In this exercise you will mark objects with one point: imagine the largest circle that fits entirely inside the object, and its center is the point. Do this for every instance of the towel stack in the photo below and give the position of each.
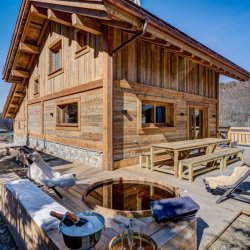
(173, 209)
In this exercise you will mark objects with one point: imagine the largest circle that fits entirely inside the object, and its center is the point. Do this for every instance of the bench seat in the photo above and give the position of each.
(147, 155)
(228, 153)
(220, 156)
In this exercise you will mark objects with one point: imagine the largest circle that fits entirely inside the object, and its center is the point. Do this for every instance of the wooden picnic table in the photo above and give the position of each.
(174, 149)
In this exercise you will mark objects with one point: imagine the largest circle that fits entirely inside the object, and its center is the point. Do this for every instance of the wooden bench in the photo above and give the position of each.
(147, 158)
(221, 156)
(190, 163)
(228, 153)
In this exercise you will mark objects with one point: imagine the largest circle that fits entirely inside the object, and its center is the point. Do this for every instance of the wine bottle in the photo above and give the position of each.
(76, 219)
(64, 218)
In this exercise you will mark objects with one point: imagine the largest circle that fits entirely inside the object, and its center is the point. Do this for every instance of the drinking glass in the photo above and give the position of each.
(141, 233)
(131, 233)
(122, 232)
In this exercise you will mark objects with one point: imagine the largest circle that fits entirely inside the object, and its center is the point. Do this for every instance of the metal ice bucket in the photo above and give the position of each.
(83, 242)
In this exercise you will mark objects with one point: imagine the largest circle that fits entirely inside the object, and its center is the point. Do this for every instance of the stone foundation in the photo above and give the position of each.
(86, 156)
(20, 140)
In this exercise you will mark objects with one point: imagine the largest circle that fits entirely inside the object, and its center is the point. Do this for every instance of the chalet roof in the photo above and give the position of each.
(34, 16)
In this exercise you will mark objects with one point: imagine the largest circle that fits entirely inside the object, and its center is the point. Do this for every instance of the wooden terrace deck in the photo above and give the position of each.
(212, 217)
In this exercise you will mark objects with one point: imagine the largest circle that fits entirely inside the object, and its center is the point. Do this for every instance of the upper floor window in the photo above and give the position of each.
(36, 87)
(82, 42)
(55, 57)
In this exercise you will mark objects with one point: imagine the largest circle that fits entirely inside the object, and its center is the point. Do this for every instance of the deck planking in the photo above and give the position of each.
(212, 218)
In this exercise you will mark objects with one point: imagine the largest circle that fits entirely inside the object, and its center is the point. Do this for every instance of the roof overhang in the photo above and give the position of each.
(91, 15)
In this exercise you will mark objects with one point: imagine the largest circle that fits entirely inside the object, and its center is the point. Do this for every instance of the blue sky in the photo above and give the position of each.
(222, 25)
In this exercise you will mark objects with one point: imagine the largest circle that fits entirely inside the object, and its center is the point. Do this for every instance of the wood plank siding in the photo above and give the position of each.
(81, 77)
(148, 64)
(144, 71)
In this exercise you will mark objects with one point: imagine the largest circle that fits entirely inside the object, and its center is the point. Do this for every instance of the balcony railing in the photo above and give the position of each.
(240, 134)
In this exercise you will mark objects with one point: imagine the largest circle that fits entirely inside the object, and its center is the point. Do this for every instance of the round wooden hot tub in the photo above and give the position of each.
(128, 197)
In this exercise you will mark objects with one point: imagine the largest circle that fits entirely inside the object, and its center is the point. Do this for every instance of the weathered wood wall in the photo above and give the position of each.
(152, 72)
(20, 119)
(91, 121)
(128, 141)
(148, 64)
(75, 71)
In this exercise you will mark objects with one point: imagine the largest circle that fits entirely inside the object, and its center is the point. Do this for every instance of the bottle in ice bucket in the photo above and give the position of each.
(76, 219)
(69, 219)
(64, 218)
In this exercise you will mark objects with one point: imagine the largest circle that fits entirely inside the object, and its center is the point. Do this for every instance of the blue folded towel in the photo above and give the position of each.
(174, 208)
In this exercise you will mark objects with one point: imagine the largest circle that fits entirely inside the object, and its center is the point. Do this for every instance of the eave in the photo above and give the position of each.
(170, 36)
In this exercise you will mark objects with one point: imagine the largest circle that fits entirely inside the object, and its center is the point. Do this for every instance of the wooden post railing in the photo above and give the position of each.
(240, 134)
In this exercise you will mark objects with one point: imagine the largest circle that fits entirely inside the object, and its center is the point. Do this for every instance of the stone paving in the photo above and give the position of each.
(6, 240)
(237, 236)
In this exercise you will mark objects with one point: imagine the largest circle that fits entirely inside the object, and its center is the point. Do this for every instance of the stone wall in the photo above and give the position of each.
(20, 140)
(86, 156)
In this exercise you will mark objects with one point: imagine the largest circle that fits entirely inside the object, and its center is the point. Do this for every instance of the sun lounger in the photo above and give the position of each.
(40, 172)
(229, 185)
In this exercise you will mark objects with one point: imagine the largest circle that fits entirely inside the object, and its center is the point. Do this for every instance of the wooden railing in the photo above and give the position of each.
(240, 134)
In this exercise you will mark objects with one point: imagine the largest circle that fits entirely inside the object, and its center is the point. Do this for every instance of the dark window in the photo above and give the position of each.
(36, 87)
(160, 115)
(56, 57)
(67, 114)
(147, 113)
(82, 41)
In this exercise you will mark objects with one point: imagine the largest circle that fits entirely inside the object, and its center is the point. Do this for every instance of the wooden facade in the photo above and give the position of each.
(108, 85)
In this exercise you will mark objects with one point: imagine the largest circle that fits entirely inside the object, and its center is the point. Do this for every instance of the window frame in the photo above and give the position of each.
(36, 93)
(68, 126)
(157, 127)
(83, 49)
(55, 71)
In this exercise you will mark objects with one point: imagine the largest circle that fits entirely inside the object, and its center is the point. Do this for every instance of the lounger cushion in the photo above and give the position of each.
(37, 203)
(224, 181)
(174, 208)
(247, 161)
(42, 173)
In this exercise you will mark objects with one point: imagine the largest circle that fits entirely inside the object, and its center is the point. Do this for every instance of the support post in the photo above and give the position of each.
(108, 100)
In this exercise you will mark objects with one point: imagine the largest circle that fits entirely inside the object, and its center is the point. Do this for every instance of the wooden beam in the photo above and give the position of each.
(20, 73)
(44, 30)
(12, 80)
(124, 16)
(19, 94)
(153, 41)
(156, 31)
(28, 48)
(13, 105)
(91, 11)
(38, 12)
(95, 5)
(118, 24)
(70, 91)
(59, 17)
(86, 24)
(108, 101)
(10, 115)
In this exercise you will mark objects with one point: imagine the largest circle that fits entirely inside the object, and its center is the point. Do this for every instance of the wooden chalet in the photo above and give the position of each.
(101, 80)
